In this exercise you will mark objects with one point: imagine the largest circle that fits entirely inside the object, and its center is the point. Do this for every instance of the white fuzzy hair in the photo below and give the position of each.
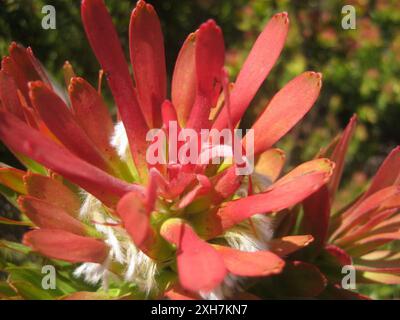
(139, 268)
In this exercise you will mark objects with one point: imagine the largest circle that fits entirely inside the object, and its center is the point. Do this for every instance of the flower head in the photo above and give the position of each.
(173, 229)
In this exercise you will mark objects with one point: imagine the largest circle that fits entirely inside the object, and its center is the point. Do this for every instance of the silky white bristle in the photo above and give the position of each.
(119, 141)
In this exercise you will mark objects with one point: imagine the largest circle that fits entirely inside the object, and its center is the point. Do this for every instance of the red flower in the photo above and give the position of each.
(157, 213)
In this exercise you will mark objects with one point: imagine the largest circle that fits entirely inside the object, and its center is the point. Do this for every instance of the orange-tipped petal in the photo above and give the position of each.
(286, 108)
(200, 266)
(250, 264)
(48, 216)
(286, 192)
(62, 245)
(19, 137)
(148, 61)
(52, 191)
(388, 262)
(183, 87)
(13, 178)
(287, 245)
(210, 57)
(270, 164)
(360, 212)
(261, 59)
(59, 119)
(107, 48)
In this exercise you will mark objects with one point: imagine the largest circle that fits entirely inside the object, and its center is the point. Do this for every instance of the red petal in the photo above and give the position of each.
(262, 57)
(24, 67)
(250, 264)
(360, 212)
(92, 114)
(338, 156)
(339, 254)
(200, 266)
(41, 149)
(183, 90)
(286, 108)
(316, 217)
(48, 216)
(58, 244)
(61, 122)
(9, 95)
(202, 188)
(107, 48)
(135, 218)
(388, 173)
(210, 56)
(148, 61)
(226, 184)
(52, 191)
(286, 192)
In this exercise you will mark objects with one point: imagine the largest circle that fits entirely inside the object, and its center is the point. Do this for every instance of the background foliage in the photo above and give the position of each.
(360, 67)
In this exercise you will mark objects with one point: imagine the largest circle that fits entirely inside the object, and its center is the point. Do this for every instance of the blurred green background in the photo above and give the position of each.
(361, 67)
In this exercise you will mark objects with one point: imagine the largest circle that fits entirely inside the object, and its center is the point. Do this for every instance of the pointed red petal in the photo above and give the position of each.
(358, 213)
(286, 192)
(91, 113)
(250, 264)
(183, 90)
(107, 48)
(58, 244)
(203, 187)
(24, 67)
(388, 173)
(256, 68)
(315, 221)
(210, 56)
(200, 266)
(168, 113)
(9, 95)
(59, 119)
(148, 61)
(338, 156)
(48, 216)
(286, 108)
(41, 149)
(135, 218)
(227, 182)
